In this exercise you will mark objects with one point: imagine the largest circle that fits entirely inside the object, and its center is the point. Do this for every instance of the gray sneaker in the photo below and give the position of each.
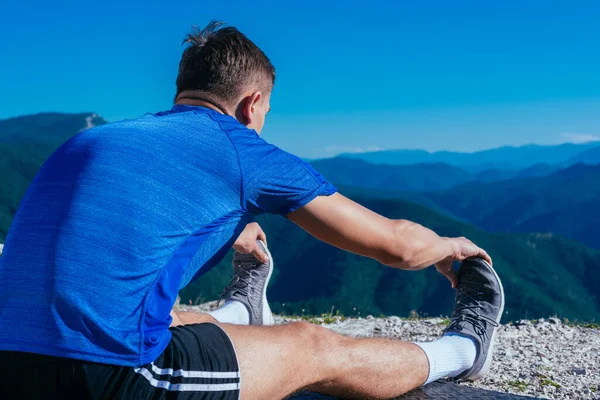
(249, 285)
(477, 311)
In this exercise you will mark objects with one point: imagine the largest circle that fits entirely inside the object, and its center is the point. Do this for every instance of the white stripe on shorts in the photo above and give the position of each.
(193, 374)
(187, 387)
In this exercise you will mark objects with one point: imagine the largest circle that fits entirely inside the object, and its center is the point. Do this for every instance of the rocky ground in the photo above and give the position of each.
(544, 358)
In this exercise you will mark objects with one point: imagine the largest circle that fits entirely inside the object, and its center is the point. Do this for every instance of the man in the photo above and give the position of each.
(124, 215)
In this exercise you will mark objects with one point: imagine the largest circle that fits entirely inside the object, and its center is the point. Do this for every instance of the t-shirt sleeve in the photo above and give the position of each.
(275, 181)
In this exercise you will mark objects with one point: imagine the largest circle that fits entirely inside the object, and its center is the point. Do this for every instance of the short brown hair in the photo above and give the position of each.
(220, 62)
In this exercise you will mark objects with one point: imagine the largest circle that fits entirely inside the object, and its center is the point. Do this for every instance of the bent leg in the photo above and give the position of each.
(279, 360)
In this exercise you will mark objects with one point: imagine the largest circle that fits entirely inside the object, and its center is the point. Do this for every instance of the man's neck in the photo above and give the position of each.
(192, 100)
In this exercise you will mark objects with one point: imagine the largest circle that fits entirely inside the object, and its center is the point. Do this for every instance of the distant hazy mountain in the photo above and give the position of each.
(420, 177)
(566, 202)
(590, 156)
(536, 170)
(25, 143)
(388, 178)
(540, 198)
(494, 174)
(542, 274)
(503, 158)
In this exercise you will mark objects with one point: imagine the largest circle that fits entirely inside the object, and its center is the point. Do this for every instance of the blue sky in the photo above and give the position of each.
(351, 76)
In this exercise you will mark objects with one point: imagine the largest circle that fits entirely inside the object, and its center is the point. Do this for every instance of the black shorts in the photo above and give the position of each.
(199, 363)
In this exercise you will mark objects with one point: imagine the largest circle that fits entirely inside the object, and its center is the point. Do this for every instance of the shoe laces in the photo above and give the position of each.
(468, 313)
(241, 283)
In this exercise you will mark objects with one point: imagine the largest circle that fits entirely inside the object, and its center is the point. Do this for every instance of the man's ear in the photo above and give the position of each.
(249, 106)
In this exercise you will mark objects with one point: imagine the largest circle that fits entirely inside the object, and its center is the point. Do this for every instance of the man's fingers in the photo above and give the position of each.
(479, 252)
(483, 254)
(259, 254)
(476, 251)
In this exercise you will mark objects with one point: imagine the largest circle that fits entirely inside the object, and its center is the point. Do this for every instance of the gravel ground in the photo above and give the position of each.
(543, 358)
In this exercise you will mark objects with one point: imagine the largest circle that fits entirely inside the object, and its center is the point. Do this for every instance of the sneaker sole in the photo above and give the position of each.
(267, 314)
(488, 361)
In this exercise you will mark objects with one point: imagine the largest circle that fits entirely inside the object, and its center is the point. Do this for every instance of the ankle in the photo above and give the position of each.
(449, 356)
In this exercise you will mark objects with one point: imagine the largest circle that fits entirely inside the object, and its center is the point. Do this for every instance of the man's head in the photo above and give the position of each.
(224, 68)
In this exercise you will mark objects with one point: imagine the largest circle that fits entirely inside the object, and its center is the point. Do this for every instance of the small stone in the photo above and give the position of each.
(545, 361)
(370, 317)
(578, 371)
(554, 321)
(568, 334)
(533, 332)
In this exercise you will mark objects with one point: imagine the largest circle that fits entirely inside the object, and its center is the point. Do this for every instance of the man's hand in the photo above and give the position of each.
(246, 242)
(461, 248)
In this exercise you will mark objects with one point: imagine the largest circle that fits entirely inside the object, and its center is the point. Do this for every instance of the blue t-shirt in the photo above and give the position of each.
(124, 215)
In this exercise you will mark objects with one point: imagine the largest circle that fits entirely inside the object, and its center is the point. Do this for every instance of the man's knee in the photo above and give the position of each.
(315, 338)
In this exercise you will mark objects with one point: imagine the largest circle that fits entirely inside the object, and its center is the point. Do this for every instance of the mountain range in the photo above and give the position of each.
(541, 198)
(508, 157)
(566, 202)
(501, 204)
(422, 177)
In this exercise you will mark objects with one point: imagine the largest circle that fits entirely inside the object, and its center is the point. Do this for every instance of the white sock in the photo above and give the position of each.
(232, 312)
(448, 356)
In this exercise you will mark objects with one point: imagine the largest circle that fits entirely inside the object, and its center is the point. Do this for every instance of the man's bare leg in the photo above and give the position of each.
(280, 360)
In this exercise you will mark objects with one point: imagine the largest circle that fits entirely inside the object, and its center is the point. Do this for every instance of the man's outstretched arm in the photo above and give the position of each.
(401, 244)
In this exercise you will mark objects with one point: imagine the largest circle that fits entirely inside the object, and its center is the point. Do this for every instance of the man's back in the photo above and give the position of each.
(102, 240)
